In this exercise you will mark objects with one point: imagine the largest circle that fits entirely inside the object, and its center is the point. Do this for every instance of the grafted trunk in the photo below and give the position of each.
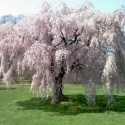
(58, 94)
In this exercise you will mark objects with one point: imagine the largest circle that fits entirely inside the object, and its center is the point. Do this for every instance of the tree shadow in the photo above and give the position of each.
(74, 105)
(4, 88)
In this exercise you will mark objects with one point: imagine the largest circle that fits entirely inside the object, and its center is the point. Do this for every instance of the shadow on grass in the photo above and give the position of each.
(4, 88)
(74, 105)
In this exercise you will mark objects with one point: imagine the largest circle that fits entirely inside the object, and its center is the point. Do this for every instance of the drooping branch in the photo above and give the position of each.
(63, 38)
(89, 40)
(76, 35)
(78, 64)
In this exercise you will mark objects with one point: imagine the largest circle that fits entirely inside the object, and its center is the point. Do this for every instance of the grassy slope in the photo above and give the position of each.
(23, 108)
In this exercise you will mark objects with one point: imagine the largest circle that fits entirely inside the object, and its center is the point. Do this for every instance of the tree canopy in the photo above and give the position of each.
(79, 44)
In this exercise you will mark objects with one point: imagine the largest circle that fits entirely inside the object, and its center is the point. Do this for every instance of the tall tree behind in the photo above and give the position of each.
(9, 17)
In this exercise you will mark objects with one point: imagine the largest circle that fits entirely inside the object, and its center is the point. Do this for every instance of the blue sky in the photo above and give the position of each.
(16, 7)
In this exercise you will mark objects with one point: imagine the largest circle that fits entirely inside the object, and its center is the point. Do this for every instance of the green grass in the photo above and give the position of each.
(19, 107)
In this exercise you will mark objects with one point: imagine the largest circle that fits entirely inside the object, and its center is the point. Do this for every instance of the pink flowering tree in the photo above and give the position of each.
(80, 45)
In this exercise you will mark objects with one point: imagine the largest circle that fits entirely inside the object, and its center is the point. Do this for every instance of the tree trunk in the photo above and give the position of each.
(57, 93)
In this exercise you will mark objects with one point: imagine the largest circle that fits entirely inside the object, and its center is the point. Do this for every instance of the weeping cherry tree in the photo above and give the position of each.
(79, 44)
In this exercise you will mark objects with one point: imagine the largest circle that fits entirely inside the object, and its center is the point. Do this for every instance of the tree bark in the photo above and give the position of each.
(57, 93)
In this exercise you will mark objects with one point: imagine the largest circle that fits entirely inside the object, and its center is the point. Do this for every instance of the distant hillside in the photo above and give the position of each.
(9, 17)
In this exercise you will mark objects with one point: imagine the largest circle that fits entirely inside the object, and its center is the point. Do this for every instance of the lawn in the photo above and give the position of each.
(19, 107)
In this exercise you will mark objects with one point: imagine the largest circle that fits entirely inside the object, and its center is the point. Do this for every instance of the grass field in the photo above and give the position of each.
(19, 107)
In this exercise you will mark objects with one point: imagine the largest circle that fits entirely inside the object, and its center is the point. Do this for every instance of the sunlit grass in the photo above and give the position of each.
(19, 107)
